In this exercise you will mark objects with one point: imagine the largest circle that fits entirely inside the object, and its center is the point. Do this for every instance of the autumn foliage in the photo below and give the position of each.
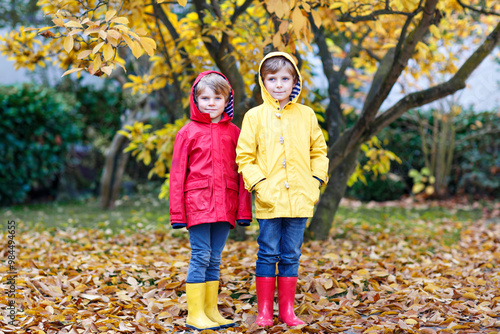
(366, 48)
(411, 276)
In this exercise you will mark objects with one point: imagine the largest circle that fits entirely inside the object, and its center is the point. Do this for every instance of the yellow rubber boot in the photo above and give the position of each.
(211, 309)
(197, 319)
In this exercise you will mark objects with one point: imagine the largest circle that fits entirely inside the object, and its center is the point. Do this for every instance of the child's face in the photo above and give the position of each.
(280, 85)
(211, 103)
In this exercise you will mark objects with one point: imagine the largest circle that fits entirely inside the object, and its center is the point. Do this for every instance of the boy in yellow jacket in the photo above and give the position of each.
(281, 154)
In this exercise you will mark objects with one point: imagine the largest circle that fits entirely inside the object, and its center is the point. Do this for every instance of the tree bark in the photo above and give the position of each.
(116, 160)
(112, 174)
(329, 202)
(333, 113)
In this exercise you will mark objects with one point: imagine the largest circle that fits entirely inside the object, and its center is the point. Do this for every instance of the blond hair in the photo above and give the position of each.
(274, 64)
(214, 81)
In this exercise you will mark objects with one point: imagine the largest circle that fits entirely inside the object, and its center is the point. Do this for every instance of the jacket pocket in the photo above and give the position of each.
(315, 191)
(232, 189)
(197, 195)
(264, 196)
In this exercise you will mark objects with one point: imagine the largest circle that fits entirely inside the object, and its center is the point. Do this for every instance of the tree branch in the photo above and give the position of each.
(478, 134)
(372, 55)
(481, 11)
(240, 10)
(221, 53)
(173, 33)
(371, 17)
(163, 92)
(456, 83)
(333, 112)
(350, 138)
(388, 73)
(217, 11)
(402, 36)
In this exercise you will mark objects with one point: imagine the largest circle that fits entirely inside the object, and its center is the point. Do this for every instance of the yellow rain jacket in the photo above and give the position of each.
(286, 148)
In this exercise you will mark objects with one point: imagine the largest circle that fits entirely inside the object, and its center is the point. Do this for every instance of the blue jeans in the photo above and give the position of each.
(207, 242)
(280, 240)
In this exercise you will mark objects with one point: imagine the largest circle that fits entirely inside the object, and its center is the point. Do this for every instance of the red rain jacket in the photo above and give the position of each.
(205, 186)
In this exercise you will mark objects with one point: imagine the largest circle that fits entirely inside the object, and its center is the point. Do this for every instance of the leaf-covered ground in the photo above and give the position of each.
(399, 274)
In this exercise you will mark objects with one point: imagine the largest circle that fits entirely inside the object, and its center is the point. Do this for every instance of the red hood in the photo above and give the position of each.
(198, 116)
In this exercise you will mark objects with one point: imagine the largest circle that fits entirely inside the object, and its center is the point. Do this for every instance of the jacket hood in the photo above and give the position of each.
(197, 115)
(266, 97)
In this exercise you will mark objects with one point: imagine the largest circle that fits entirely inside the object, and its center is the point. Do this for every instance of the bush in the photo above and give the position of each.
(475, 169)
(381, 188)
(476, 156)
(38, 126)
(100, 109)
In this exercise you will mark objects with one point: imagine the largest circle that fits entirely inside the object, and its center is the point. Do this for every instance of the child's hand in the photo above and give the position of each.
(319, 180)
(243, 222)
(262, 194)
(178, 225)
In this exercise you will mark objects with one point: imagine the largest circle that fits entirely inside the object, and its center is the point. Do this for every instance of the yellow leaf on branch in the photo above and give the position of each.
(68, 43)
(57, 21)
(108, 52)
(136, 49)
(84, 54)
(148, 44)
(110, 14)
(97, 48)
(73, 70)
(45, 28)
(316, 17)
(73, 24)
(121, 20)
(298, 21)
(388, 46)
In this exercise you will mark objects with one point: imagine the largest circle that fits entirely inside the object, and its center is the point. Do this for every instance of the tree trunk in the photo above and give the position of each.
(451, 153)
(116, 159)
(328, 204)
(112, 173)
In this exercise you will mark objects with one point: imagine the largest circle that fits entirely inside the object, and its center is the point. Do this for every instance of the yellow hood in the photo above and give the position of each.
(266, 97)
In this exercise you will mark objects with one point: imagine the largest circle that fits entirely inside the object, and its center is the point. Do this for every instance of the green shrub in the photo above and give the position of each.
(378, 188)
(476, 157)
(100, 109)
(476, 167)
(38, 125)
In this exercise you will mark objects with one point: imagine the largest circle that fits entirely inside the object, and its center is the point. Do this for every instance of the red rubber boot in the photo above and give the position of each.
(265, 299)
(286, 299)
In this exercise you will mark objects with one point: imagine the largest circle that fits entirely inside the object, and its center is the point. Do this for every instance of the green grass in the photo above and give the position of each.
(137, 213)
(383, 214)
(412, 224)
(141, 213)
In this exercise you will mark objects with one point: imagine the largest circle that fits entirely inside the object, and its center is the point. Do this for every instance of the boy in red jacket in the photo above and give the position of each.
(206, 193)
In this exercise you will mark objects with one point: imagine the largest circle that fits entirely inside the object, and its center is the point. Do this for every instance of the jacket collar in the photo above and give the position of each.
(198, 116)
(294, 96)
